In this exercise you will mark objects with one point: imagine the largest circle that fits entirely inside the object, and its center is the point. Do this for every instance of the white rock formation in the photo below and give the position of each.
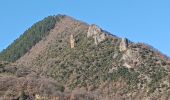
(93, 30)
(130, 58)
(96, 32)
(72, 41)
(123, 44)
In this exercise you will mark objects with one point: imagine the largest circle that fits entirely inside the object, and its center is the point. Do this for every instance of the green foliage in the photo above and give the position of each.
(130, 76)
(86, 64)
(29, 38)
(156, 77)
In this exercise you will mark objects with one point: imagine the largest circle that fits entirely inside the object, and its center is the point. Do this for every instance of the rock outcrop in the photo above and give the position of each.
(93, 30)
(131, 58)
(96, 32)
(51, 70)
(124, 44)
(72, 41)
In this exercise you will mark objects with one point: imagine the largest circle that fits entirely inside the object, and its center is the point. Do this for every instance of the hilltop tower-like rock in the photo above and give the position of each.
(72, 41)
(123, 44)
(96, 32)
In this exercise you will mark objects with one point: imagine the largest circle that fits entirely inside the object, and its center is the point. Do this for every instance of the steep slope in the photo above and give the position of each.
(30, 37)
(98, 58)
(62, 30)
(93, 64)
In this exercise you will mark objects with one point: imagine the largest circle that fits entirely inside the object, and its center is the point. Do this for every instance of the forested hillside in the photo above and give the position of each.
(29, 38)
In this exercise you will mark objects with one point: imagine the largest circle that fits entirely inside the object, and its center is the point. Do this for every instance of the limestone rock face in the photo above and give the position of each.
(130, 58)
(99, 38)
(93, 30)
(72, 41)
(124, 44)
(96, 32)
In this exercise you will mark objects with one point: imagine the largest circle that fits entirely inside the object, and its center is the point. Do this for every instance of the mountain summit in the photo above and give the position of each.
(61, 58)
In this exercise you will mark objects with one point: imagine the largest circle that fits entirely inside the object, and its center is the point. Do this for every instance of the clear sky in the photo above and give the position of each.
(139, 20)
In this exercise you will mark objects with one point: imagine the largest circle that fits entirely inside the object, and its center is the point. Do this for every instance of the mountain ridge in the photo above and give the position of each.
(89, 63)
(29, 38)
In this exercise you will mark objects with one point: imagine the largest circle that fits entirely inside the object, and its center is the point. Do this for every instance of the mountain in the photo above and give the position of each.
(30, 37)
(61, 58)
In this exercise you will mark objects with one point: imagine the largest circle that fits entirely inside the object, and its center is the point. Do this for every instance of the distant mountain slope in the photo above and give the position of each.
(61, 32)
(30, 37)
(99, 65)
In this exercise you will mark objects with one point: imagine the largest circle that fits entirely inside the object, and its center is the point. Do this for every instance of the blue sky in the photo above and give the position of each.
(139, 20)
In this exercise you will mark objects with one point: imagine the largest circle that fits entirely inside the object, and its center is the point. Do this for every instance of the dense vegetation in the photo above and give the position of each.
(100, 69)
(90, 65)
(29, 38)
